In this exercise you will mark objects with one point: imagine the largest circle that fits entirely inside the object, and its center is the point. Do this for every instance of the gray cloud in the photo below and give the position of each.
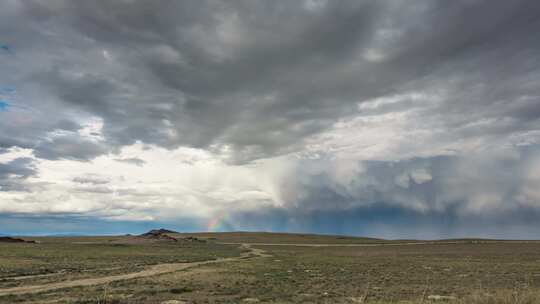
(66, 125)
(69, 147)
(448, 196)
(489, 184)
(22, 167)
(91, 179)
(209, 74)
(14, 173)
(384, 221)
(444, 95)
(95, 189)
(133, 160)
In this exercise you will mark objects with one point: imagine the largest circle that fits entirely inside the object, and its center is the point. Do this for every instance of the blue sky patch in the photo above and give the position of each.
(4, 105)
(5, 47)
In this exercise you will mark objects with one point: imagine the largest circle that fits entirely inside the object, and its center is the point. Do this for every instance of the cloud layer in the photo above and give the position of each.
(151, 111)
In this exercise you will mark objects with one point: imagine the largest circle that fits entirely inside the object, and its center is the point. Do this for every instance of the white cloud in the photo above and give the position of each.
(171, 184)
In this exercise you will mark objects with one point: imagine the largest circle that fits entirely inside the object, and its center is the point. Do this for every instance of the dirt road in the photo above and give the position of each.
(151, 271)
(172, 267)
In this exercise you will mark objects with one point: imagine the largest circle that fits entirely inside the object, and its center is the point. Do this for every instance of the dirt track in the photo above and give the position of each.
(151, 271)
(172, 267)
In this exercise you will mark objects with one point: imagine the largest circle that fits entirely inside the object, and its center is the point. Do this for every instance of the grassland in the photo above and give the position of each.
(55, 259)
(279, 238)
(333, 270)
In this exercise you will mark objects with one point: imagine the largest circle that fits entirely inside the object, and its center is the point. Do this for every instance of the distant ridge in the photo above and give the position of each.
(158, 231)
(163, 235)
(159, 234)
(7, 239)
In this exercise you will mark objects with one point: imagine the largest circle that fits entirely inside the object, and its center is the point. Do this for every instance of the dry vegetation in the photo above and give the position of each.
(468, 272)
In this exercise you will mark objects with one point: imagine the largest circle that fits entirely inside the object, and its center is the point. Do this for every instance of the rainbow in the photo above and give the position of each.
(213, 224)
(216, 223)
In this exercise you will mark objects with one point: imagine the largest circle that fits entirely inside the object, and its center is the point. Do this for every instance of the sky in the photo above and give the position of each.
(394, 119)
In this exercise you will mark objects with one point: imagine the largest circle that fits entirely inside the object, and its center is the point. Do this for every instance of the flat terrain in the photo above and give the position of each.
(268, 268)
(281, 238)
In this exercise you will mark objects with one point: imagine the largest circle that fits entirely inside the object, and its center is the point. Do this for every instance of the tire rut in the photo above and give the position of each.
(150, 271)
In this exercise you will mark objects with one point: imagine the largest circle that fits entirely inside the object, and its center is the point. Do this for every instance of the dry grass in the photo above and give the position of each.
(471, 272)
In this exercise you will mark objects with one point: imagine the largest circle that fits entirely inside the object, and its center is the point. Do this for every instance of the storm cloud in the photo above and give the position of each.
(304, 107)
(14, 173)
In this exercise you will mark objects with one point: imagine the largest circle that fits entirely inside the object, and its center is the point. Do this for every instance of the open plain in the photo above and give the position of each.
(243, 267)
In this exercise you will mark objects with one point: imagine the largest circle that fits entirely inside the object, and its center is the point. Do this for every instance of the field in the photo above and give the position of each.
(268, 268)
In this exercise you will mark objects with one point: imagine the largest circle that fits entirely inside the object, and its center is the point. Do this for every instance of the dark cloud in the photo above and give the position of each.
(14, 173)
(67, 125)
(481, 184)
(69, 147)
(444, 95)
(21, 167)
(390, 222)
(259, 77)
(493, 196)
